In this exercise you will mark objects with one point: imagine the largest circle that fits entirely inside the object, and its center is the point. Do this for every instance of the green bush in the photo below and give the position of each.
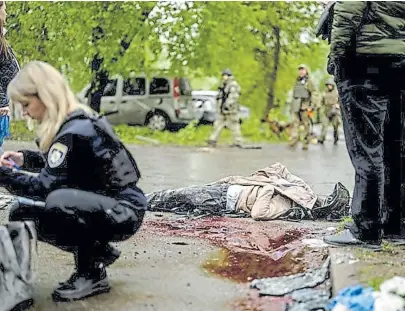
(191, 135)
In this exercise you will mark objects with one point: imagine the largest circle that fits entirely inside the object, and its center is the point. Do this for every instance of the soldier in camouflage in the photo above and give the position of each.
(228, 116)
(330, 111)
(305, 95)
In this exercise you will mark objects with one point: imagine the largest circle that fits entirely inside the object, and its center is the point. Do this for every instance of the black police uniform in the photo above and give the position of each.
(85, 195)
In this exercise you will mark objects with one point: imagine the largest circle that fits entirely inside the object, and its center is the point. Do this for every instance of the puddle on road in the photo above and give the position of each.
(242, 267)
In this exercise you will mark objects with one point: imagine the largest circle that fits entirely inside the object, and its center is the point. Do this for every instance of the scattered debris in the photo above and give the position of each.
(344, 258)
(388, 302)
(396, 286)
(304, 289)
(357, 298)
(179, 243)
(354, 298)
(284, 285)
(5, 201)
(314, 243)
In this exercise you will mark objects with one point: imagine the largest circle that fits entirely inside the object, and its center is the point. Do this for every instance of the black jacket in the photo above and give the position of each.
(85, 154)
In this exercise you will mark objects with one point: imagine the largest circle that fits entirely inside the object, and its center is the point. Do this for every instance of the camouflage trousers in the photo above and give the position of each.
(326, 121)
(231, 122)
(300, 119)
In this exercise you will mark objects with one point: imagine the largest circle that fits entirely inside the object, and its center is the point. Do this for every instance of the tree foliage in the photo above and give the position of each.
(61, 33)
(243, 36)
(196, 38)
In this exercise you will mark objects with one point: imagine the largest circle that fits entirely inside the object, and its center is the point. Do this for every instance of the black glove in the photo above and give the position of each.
(331, 67)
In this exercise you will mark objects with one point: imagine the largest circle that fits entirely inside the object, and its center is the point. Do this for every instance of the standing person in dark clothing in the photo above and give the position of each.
(86, 193)
(368, 60)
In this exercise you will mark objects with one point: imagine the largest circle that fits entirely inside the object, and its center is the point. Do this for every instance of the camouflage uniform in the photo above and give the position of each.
(228, 115)
(305, 98)
(330, 112)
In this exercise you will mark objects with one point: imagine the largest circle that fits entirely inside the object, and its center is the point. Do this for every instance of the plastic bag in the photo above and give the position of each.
(194, 200)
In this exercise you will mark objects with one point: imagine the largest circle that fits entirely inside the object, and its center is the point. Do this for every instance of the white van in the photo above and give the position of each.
(159, 103)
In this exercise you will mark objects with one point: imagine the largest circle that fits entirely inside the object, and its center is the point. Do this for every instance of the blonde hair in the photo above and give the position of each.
(42, 80)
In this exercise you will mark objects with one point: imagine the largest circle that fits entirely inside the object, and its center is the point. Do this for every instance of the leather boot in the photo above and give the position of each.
(88, 280)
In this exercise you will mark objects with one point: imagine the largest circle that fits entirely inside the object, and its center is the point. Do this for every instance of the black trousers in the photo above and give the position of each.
(372, 104)
(77, 220)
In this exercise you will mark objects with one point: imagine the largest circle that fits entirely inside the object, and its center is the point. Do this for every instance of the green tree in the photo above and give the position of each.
(73, 35)
(260, 42)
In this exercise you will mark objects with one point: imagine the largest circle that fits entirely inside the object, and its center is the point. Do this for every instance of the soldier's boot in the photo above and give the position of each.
(321, 141)
(237, 145)
(211, 143)
(335, 137)
(306, 142)
(88, 280)
(293, 142)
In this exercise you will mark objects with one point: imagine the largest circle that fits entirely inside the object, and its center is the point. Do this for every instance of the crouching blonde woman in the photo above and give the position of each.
(86, 193)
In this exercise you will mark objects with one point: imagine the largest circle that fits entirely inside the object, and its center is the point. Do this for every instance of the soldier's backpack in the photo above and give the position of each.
(16, 277)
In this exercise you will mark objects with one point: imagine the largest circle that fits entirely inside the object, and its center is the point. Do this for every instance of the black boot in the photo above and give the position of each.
(335, 138)
(88, 280)
(82, 284)
(393, 238)
(104, 256)
(346, 238)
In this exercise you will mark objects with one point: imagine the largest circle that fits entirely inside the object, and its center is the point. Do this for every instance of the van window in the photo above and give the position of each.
(134, 86)
(111, 88)
(159, 86)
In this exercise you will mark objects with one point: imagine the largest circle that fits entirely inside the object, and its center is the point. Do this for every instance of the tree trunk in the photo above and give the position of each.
(100, 76)
(272, 78)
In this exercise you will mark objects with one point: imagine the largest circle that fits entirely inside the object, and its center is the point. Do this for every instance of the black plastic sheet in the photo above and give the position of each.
(195, 200)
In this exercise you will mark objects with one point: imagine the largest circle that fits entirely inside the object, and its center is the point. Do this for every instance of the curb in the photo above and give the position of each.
(343, 271)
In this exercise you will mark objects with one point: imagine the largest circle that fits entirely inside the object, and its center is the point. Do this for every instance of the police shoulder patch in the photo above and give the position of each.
(57, 154)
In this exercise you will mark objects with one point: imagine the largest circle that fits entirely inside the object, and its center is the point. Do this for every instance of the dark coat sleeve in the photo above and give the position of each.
(53, 176)
(33, 160)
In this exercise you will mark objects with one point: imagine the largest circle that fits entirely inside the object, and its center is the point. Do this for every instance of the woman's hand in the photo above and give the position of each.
(4, 111)
(17, 157)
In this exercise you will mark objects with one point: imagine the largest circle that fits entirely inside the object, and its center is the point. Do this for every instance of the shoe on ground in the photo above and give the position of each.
(107, 256)
(82, 285)
(236, 146)
(320, 141)
(293, 143)
(346, 238)
(305, 147)
(396, 239)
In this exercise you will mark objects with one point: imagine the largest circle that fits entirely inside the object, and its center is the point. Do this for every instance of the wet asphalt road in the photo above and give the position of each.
(152, 273)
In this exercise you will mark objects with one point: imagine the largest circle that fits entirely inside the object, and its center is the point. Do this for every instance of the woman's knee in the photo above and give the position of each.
(59, 196)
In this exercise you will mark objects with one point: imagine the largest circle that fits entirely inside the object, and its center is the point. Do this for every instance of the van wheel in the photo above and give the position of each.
(158, 121)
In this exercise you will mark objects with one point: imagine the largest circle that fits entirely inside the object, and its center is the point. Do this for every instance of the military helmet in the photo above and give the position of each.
(227, 72)
(330, 82)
